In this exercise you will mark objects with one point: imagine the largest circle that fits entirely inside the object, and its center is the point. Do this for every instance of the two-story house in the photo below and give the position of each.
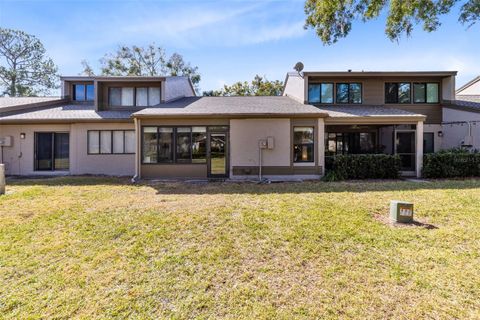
(155, 127)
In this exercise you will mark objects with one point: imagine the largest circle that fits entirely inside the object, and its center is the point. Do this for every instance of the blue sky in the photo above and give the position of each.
(234, 40)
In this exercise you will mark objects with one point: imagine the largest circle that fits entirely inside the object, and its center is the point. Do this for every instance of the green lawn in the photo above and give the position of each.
(88, 247)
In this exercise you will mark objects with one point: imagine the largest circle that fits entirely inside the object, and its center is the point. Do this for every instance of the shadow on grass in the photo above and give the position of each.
(184, 187)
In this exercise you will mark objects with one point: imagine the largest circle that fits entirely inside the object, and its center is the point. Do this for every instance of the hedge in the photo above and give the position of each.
(450, 164)
(363, 166)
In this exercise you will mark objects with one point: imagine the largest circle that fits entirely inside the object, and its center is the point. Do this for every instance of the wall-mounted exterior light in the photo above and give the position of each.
(440, 134)
(22, 135)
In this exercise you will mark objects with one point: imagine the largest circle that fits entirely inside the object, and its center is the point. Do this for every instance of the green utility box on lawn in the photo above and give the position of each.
(401, 211)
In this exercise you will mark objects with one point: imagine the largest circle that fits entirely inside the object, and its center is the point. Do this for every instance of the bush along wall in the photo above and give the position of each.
(363, 166)
(450, 164)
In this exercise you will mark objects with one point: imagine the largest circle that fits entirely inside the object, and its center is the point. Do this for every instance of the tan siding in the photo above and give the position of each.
(104, 86)
(374, 88)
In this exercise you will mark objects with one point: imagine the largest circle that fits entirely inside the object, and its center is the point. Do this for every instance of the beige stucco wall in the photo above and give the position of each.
(110, 164)
(244, 136)
(19, 159)
(295, 88)
(474, 89)
(454, 134)
(435, 129)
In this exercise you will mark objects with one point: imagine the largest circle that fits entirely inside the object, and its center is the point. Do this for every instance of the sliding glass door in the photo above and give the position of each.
(51, 151)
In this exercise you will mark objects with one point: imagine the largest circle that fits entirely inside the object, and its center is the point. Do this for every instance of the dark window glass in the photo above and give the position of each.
(90, 92)
(397, 92)
(349, 93)
(426, 93)
(342, 92)
(115, 97)
(149, 148)
(52, 151)
(79, 92)
(199, 144)
(43, 151)
(303, 144)
(391, 92)
(432, 92)
(355, 93)
(326, 93)
(419, 92)
(320, 93)
(165, 145)
(428, 142)
(61, 151)
(314, 93)
(404, 93)
(183, 144)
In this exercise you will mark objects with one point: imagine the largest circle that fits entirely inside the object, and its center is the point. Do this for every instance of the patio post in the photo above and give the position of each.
(138, 149)
(321, 145)
(419, 149)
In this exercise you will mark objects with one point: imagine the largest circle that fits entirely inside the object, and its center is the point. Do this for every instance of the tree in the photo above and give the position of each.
(143, 61)
(25, 70)
(259, 86)
(332, 20)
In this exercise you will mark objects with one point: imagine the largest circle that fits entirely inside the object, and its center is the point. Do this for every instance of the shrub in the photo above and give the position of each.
(450, 164)
(363, 166)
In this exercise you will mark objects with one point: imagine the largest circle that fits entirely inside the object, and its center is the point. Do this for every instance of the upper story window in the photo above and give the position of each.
(133, 96)
(425, 92)
(83, 92)
(397, 92)
(349, 93)
(320, 93)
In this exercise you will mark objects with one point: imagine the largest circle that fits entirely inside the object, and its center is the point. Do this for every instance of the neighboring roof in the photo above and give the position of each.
(260, 106)
(64, 113)
(118, 78)
(468, 84)
(368, 112)
(466, 103)
(379, 73)
(19, 103)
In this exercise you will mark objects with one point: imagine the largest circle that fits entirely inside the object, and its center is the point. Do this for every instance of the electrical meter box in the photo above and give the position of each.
(401, 211)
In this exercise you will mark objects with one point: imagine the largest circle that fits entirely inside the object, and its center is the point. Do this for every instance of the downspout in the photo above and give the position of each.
(136, 177)
(260, 160)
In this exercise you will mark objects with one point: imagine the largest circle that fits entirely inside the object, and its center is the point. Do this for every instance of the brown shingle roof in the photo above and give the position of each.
(264, 106)
(65, 112)
(369, 111)
(466, 102)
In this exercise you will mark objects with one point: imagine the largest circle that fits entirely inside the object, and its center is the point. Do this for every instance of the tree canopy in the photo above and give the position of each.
(333, 20)
(143, 61)
(25, 70)
(259, 86)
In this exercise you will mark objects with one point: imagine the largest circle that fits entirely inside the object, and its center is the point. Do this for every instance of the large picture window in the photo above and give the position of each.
(397, 92)
(174, 145)
(320, 93)
(349, 93)
(111, 141)
(133, 97)
(303, 144)
(425, 92)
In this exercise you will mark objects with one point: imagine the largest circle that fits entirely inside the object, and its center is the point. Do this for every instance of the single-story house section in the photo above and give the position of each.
(461, 118)
(156, 127)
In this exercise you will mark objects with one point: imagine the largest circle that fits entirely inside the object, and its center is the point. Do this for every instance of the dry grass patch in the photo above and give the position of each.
(89, 247)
